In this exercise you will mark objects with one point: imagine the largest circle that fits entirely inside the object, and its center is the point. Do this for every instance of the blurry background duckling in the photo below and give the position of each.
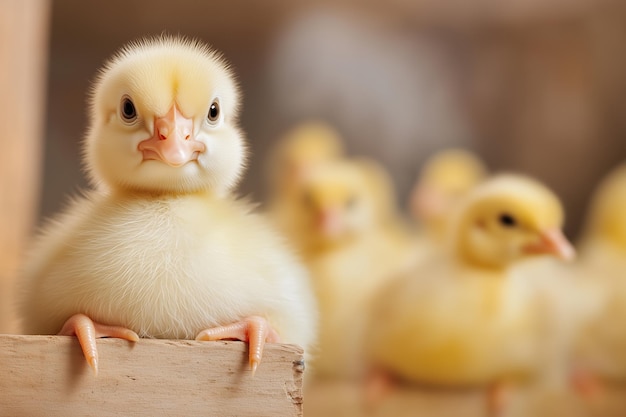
(348, 235)
(302, 147)
(462, 319)
(300, 150)
(444, 180)
(601, 347)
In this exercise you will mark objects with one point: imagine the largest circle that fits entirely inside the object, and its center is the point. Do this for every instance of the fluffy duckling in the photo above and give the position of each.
(462, 318)
(351, 245)
(604, 238)
(446, 178)
(602, 269)
(160, 248)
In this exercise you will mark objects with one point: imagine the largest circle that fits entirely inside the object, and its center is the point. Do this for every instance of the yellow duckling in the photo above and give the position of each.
(446, 178)
(602, 266)
(159, 247)
(462, 318)
(303, 147)
(346, 231)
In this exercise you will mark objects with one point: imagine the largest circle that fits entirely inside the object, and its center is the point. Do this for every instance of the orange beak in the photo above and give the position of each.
(329, 223)
(427, 202)
(172, 141)
(552, 242)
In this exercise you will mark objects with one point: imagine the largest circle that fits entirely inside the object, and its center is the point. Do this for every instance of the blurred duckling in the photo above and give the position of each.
(462, 318)
(601, 348)
(446, 178)
(301, 148)
(348, 237)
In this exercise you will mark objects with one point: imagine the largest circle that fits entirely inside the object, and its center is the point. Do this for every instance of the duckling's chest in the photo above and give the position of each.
(165, 268)
(473, 329)
(162, 233)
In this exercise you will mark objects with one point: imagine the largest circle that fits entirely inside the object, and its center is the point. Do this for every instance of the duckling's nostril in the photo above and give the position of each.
(163, 131)
(187, 137)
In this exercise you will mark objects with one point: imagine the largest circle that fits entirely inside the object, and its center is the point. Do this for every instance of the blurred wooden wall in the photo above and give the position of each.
(23, 57)
(538, 86)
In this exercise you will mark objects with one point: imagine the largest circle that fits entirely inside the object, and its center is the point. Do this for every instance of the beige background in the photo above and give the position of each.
(535, 86)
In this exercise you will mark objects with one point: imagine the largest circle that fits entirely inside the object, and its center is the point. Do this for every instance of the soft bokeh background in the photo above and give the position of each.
(534, 86)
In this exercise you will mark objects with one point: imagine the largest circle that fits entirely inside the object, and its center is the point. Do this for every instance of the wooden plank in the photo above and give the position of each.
(23, 54)
(48, 376)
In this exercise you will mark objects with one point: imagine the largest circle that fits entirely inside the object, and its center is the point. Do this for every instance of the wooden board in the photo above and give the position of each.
(48, 376)
(23, 58)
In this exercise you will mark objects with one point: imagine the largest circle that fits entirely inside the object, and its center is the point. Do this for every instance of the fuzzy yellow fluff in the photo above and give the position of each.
(164, 251)
(462, 318)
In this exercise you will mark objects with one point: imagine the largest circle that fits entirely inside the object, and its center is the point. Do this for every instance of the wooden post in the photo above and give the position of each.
(48, 376)
(23, 55)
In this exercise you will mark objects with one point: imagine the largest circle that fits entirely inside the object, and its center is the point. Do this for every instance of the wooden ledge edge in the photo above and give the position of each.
(150, 377)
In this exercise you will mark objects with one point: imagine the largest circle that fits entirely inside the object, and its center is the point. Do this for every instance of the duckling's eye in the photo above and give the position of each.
(214, 113)
(507, 220)
(127, 110)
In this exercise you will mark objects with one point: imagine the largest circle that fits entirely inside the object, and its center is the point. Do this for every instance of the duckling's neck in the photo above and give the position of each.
(436, 229)
(476, 260)
(613, 234)
(469, 247)
(316, 246)
(159, 195)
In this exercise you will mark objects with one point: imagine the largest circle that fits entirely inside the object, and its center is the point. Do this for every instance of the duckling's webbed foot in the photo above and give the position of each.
(87, 331)
(254, 329)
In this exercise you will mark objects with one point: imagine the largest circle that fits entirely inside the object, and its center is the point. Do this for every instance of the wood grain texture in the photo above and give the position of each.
(48, 376)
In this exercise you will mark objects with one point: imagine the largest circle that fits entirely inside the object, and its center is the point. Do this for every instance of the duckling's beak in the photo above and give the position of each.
(428, 203)
(552, 242)
(172, 141)
(329, 223)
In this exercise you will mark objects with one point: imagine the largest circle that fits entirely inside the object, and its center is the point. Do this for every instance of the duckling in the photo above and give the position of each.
(462, 318)
(160, 248)
(446, 178)
(602, 270)
(304, 146)
(348, 239)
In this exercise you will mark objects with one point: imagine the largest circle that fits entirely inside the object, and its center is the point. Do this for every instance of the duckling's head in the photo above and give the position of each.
(507, 218)
(607, 217)
(446, 178)
(343, 199)
(163, 119)
(301, 149)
